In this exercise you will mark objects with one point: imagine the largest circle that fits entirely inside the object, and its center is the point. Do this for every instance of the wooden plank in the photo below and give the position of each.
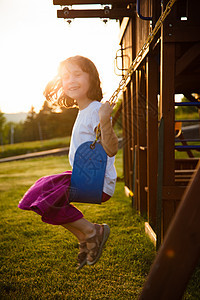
(180, 252)
(152, 139)
(137, 194)
(169, 209)
(187, 58)
(124, 137)
(127, 46)
(127, 138)
(114, 13)
(167, 91)
(142, 28)
(183, 182)
(167, 109)
(186, 163)
(126, 141)
(130, 113)
(137, 146)
(128, 134)
(134, 135)
(182, 177)
(184, 172)
(128, 192)
(173, 192)
(141, 139)
(151, 234)
(123, 27)
(131, 133)
(159, 183)
(77, 2)
(156, 11)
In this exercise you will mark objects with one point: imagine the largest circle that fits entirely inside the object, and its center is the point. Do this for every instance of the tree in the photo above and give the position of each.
(30, 126)
(2, 122)
(44, 121)
(66, 120)
(54, 122)
(19, 132)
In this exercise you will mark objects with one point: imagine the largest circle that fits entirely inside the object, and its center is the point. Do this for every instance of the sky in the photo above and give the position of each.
(34, 41)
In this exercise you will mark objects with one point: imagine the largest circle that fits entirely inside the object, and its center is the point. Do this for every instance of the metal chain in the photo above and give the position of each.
(136, 62)
(141, 54)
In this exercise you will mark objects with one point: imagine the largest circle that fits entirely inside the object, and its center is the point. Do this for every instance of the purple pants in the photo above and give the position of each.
(48, 197)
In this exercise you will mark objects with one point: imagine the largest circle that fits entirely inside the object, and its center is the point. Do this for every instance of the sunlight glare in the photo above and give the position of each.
(34, 42)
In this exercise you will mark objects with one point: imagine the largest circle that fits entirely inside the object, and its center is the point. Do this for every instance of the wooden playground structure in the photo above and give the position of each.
(164, 189)
(170, 67)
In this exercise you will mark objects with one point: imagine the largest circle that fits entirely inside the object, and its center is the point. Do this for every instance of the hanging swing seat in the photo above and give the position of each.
(88, 173)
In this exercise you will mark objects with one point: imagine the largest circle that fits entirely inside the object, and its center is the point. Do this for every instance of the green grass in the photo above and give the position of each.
(183, 154)
(179, 115)
(186, 116)
(38, 260)
(28, 147)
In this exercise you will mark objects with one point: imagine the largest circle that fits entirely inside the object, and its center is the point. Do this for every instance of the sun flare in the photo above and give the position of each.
(32, 49)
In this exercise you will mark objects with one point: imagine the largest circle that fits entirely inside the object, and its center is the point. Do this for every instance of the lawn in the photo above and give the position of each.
(35, 146)
(38, 260)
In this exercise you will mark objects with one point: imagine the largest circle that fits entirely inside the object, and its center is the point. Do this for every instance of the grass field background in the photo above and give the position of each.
(35, 146)
(38, 260)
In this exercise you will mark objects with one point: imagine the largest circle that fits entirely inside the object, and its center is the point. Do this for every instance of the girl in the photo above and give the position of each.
(77, 84)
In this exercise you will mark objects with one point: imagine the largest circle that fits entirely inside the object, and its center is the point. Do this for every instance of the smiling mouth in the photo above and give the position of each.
(73, 89)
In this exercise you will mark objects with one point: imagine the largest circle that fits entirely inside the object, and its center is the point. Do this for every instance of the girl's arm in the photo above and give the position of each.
(109, 139)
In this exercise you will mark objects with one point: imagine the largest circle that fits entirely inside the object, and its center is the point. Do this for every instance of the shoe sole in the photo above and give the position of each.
(82, 265)
(106, 234)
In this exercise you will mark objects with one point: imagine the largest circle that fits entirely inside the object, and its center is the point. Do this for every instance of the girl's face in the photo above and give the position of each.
(75, 82)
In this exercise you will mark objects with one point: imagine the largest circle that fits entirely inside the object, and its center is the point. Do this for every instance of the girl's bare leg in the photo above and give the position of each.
(89, 230)
(78, 234)
(82, 229)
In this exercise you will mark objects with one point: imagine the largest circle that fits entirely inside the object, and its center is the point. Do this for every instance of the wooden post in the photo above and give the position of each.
(152, 136)
(159, 184)
(129, 137)
(167, 91)
(73, 2)
(134, 139)
(180, 251)
(125, 149)
(141, 139)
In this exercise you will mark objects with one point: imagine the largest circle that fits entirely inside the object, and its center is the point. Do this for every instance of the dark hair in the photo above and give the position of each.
(54, 90)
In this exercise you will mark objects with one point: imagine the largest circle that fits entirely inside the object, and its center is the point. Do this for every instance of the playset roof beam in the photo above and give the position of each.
(77, 2)
(115, 13)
